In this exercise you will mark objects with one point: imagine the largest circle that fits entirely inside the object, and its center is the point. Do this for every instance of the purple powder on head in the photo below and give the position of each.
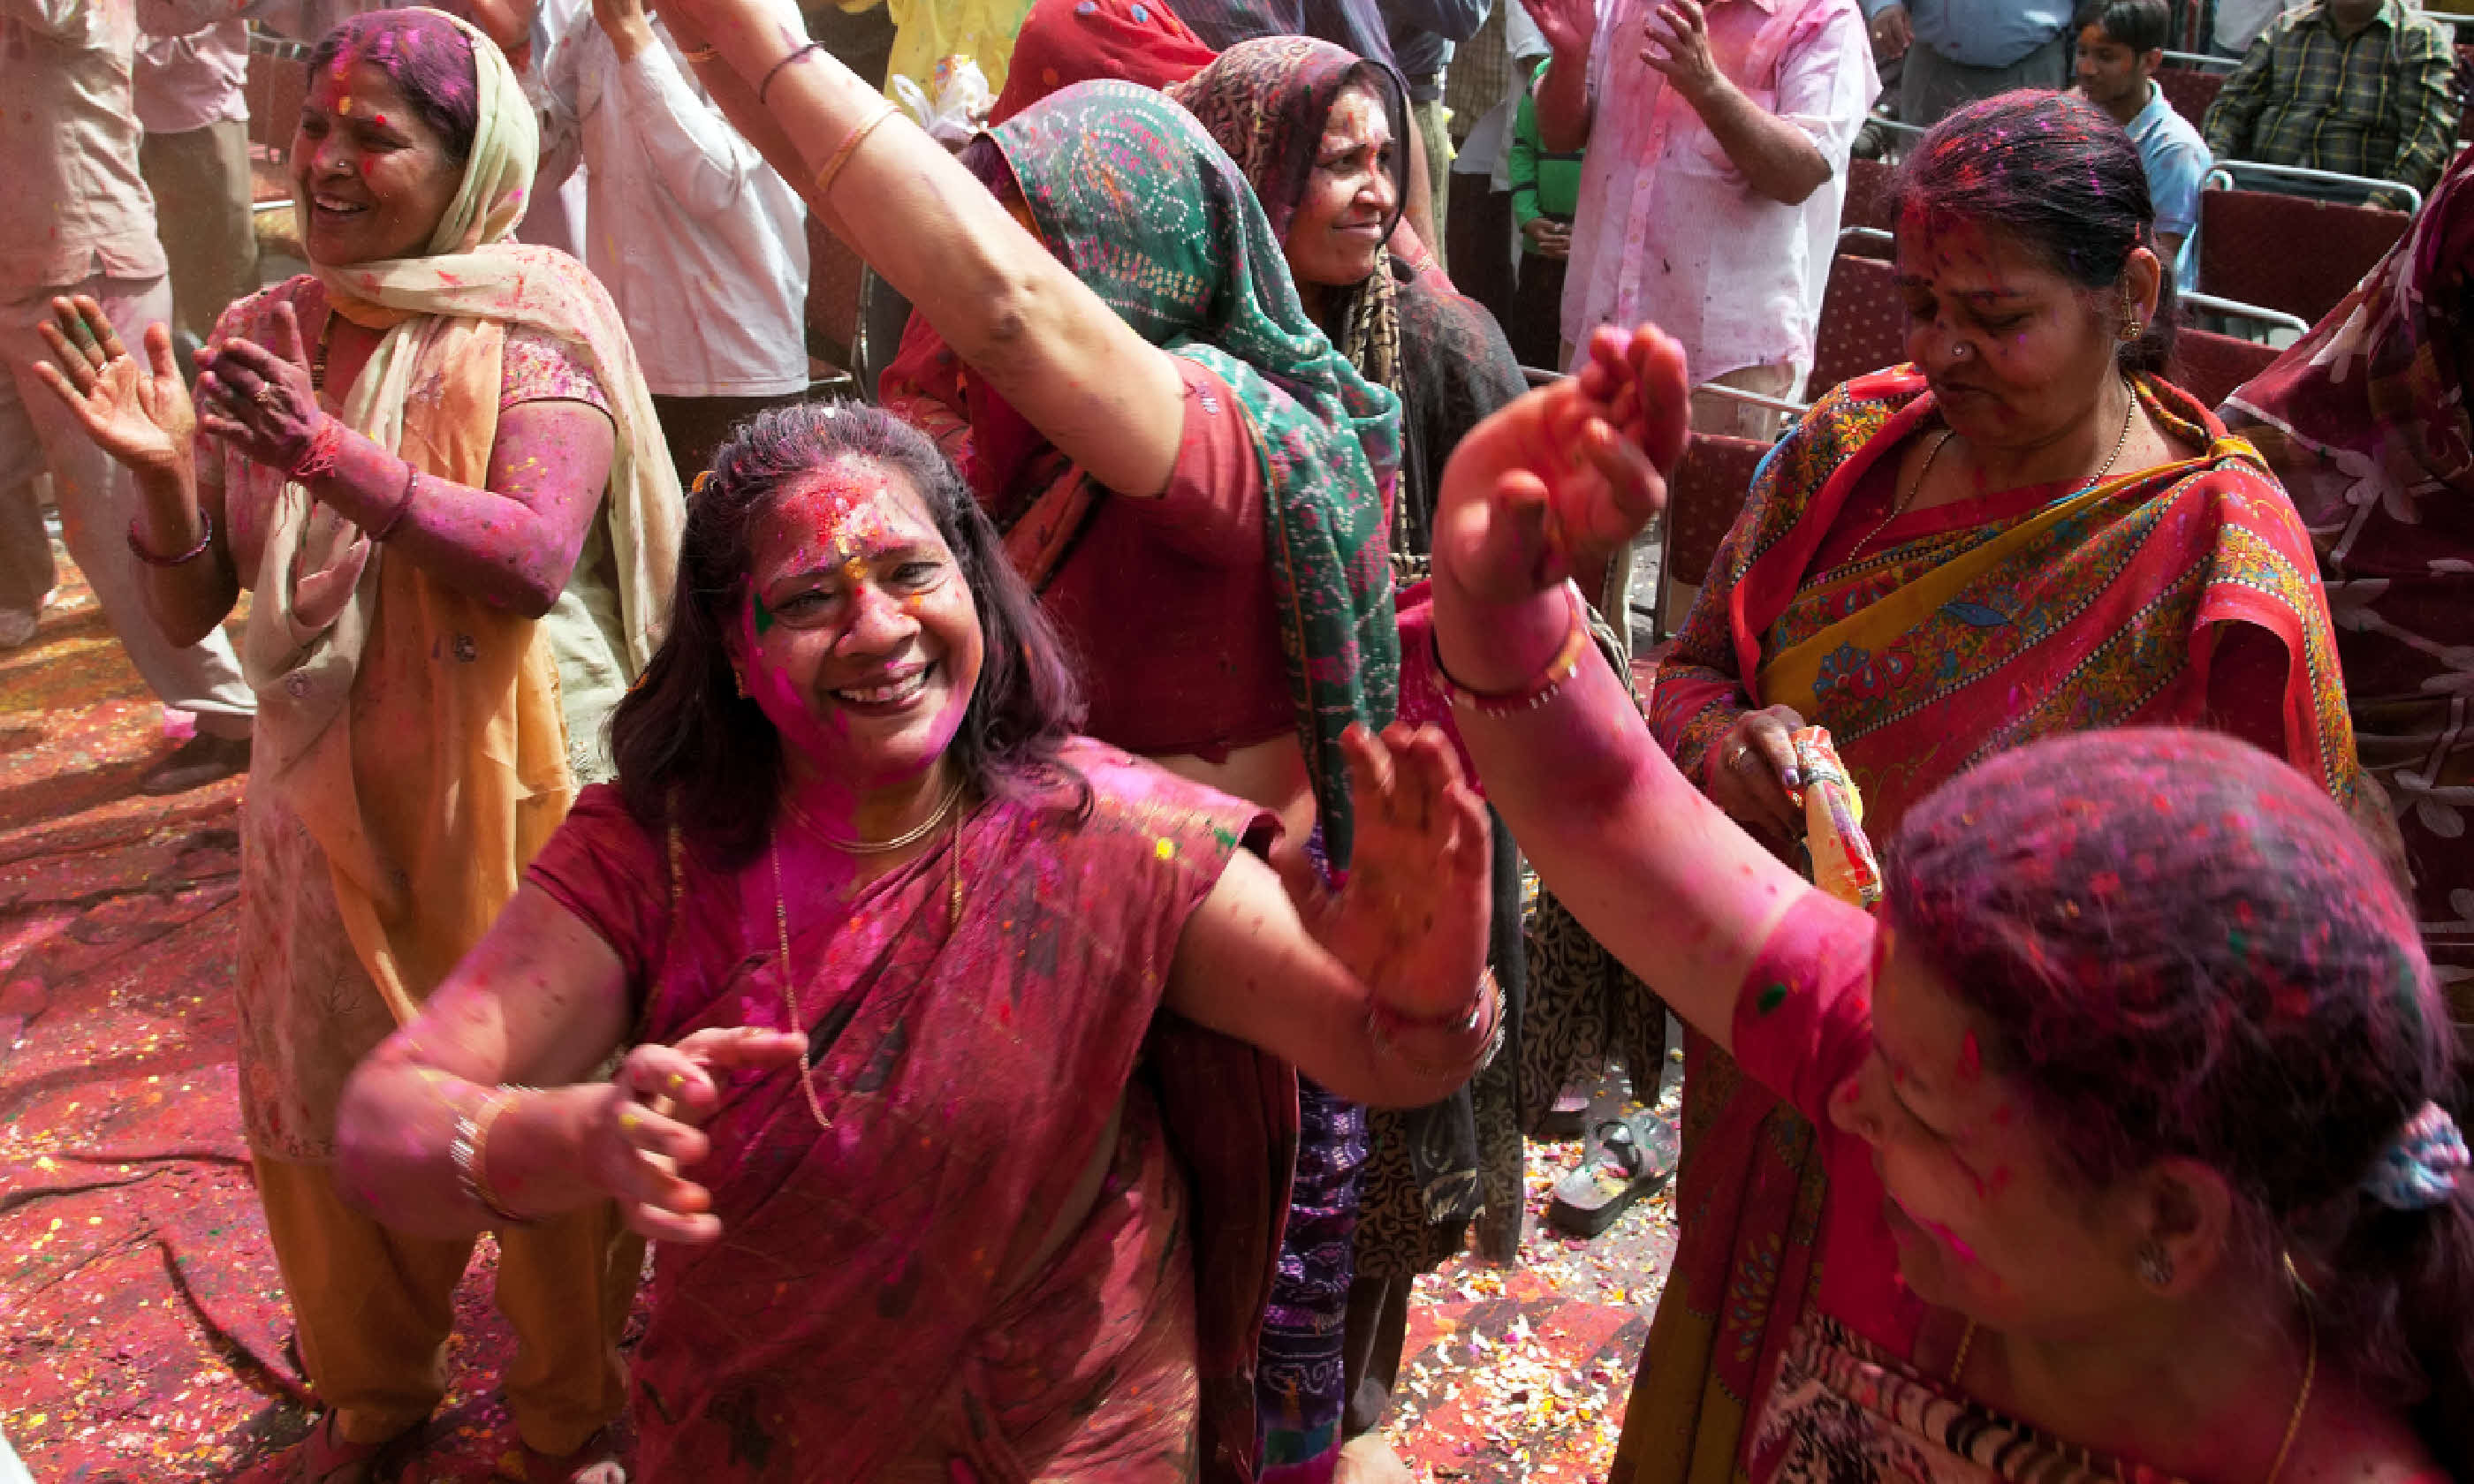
(425, 57)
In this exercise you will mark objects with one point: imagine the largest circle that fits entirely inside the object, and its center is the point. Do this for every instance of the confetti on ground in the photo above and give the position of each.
(143, 1330)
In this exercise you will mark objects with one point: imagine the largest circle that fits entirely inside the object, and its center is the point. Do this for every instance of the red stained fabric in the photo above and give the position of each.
(879, 1305)
(1063, 42)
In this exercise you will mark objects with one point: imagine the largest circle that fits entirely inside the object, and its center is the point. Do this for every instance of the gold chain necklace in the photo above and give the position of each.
(782, 916)
(2121, 442)
(2293, 1422)
(900, 841)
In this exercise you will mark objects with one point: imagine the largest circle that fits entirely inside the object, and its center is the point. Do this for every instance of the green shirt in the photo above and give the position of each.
(2382, 104)
(1542, 184)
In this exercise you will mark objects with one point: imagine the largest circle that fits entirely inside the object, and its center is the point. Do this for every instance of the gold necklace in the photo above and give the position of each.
(900, 841)
(781, 924)
(2121, 442)
(2293, 1422)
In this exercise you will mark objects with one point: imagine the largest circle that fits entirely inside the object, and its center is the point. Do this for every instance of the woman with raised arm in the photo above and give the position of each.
(2138, 1101)
(942, 1100)
(2025, 530)
(433, 464)
(1198, 484)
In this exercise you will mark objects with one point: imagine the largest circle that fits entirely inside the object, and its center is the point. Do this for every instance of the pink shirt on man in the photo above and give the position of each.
(1668, 230)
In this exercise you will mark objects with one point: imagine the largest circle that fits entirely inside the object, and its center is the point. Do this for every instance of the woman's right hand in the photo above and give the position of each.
(647, 1126)
(1562, 476)
(1752, 767)
(139, 414)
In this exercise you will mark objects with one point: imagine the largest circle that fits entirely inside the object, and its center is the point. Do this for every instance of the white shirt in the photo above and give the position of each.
(701, 245)
(68, 147)
(555, 219)
(1668, 230)
(185, 82)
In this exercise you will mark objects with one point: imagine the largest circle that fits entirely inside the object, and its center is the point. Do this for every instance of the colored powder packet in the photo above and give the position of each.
(1843, 863)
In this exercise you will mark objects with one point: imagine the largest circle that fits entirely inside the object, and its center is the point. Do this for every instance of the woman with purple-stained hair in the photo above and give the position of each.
(2139, 1104)
(433, 464)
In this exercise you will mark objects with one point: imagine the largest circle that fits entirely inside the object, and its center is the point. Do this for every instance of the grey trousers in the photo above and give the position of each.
(1931, 86)
(97, 499)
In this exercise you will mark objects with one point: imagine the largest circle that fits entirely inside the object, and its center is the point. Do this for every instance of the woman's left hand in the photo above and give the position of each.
(263, 401)
(1412, 919)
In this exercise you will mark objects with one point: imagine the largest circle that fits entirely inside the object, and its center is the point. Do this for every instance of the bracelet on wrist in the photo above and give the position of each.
(206, 539)
(470, 1153)
(1480, 1023)
(1541, 688)
(403, 504)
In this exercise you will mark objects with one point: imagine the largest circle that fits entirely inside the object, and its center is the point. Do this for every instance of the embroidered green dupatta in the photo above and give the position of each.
(1130, 193)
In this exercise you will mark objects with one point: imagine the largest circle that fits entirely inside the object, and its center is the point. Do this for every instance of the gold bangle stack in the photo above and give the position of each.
(470, 1153)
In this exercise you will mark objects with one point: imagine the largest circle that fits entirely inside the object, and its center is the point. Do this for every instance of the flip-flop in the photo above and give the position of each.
(1569, 1118)
(324, 1455)
(594, 1462)
(1629, 1158)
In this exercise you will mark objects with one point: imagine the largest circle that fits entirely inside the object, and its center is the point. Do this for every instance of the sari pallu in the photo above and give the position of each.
(1041, 1208)
(2365, 420)
(1949, 642)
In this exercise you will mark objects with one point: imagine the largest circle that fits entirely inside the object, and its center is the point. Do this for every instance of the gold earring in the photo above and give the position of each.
(739, 678)
(2155, 1265)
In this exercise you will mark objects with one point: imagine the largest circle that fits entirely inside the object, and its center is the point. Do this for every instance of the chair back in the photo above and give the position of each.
(2189, 90)
(1868, 196)
(1703, 498)
(2289, 252)
(2210, 366)
(1863, 322)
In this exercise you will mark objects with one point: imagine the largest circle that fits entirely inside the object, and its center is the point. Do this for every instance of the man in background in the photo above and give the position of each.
(2362, 87)
(1952, 53)
(2122, 43)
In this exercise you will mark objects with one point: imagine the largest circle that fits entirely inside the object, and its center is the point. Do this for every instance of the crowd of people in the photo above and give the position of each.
(1013, 884)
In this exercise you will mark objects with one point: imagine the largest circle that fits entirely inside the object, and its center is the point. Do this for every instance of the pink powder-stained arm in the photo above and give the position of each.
(1650, 867)
(513, 544)
(1109, 401)
(540, 1003)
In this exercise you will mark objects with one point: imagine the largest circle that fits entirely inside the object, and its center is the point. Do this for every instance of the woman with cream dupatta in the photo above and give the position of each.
(444, 609)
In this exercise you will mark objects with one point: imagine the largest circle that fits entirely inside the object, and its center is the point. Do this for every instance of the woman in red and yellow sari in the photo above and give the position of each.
(2023, 533)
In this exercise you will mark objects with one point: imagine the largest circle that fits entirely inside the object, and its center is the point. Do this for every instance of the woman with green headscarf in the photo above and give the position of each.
(433, 464)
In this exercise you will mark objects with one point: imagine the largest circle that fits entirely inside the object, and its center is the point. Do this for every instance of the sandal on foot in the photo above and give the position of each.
(595, 1462)
(1629, 1158)
(1569, 1118)
(328, 1459)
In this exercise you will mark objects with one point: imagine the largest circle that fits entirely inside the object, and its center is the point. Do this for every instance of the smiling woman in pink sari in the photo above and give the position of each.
(960, 1096)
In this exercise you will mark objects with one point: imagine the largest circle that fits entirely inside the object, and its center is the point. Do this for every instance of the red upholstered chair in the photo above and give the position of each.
(1863, 322)
(2189, 90)
(2287, 253)
(1703, 498)
(1868, 196)
(2210, 366)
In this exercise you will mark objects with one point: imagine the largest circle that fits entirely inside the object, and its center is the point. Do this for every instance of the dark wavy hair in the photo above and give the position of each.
(2182, 948)
(690, 749)
(427, 57)
(2055, 174)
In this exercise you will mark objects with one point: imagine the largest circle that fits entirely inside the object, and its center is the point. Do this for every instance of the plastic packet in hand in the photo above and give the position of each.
(962, 104)
(1843, 864)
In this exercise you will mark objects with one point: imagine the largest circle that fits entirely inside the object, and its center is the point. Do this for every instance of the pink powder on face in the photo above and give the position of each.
(1948, 1239)
(1970, 1059)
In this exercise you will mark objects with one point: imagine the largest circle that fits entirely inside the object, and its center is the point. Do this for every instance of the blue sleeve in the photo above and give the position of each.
(2175, 176)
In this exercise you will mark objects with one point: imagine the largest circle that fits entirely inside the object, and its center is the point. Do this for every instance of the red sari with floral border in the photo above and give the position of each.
(2180, 595)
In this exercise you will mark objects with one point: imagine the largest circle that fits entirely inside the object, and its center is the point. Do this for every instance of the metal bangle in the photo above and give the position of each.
(849, 146)
(1483, 1021)
(468, 1152)
(1542, 687)
(137, 547)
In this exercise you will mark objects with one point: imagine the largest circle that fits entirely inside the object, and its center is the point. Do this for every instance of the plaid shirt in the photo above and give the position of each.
(2382, 105)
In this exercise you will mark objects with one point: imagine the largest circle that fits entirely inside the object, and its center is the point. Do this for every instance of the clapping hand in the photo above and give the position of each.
(647, 1126)
(139, 414)
(1569, 25)
(263, 401)
(1561, 477)
(1679, 48)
